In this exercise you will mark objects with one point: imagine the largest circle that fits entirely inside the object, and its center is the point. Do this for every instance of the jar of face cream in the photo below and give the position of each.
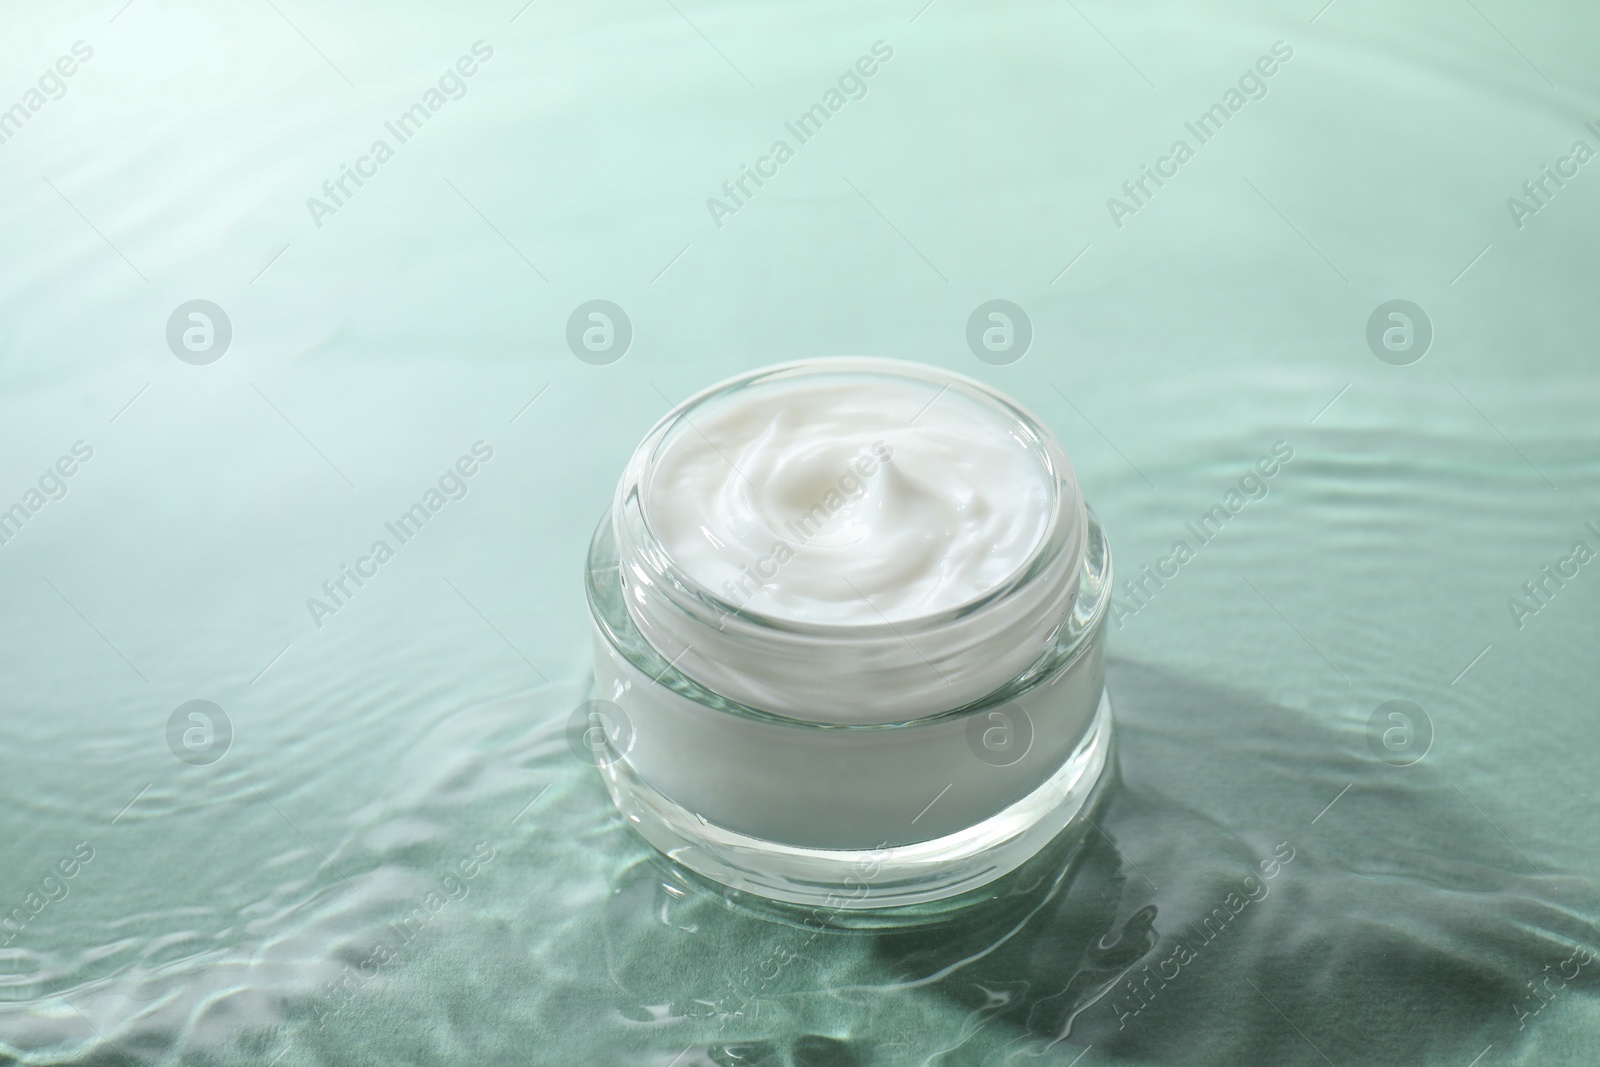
(850, 615)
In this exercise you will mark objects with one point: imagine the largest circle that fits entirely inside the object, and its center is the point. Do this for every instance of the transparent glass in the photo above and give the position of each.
(797, 806)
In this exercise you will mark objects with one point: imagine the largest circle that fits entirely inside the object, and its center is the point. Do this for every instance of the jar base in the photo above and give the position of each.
(870, 879)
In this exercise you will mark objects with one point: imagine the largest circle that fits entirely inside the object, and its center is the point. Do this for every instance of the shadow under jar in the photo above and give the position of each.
(850, 613)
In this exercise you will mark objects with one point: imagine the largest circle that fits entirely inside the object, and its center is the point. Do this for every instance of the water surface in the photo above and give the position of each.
(306, 897)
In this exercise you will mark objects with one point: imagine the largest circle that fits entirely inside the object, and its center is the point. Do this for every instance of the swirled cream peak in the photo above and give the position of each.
(849, 499)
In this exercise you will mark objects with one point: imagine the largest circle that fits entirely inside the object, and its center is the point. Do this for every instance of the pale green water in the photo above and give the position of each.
(371, 755)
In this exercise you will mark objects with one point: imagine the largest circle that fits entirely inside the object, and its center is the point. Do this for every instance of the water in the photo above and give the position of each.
(303, 898)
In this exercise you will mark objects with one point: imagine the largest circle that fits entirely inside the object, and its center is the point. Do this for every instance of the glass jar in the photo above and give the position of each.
(868, 764)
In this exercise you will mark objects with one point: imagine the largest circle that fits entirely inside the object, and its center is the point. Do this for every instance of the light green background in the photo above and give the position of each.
(372, 754)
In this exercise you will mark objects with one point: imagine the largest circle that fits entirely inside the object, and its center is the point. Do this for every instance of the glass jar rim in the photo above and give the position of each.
(615, 626)
(874, 671)
(631, 504)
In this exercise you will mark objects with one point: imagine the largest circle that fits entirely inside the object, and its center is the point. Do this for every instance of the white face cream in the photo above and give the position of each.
(850, 541)
(846, 605)
(849, 500)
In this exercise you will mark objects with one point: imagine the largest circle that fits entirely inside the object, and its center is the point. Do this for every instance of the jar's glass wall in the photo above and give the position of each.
(775, 804)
